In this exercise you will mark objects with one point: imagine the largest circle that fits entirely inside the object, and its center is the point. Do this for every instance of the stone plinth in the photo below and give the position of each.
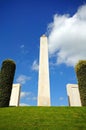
(73, 95)
(15, 95)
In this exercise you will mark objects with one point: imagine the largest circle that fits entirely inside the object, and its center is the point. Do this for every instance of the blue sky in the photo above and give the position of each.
(22, 22)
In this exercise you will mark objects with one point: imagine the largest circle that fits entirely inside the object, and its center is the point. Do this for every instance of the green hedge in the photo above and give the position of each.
(6, 80)
(81, 76)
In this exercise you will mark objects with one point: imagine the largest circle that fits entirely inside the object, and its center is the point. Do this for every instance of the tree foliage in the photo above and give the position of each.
(6, 80)
(81, 76)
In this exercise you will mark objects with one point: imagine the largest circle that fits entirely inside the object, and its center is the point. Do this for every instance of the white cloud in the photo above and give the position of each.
(24, 94)
(61, 73)
(34, 98)
(61, 98)
(35, 65)
(67, 37)
(24, 51)
(22, 79)
(23, 104)
(31, 97)
(22, 46)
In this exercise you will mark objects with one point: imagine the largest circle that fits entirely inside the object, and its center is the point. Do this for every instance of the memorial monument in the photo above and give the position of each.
(43, 81)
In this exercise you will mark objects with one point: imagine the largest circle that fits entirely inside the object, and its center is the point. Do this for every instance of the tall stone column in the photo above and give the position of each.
(43, 81)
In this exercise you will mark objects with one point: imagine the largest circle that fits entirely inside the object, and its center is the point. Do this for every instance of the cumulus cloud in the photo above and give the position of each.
(23, 49)
(34, 98)
(35, 65)
(24, 94)
(61, 98)
(27, 96)
(23, 104)
(22, 46)
(67, 37)
(22, 79)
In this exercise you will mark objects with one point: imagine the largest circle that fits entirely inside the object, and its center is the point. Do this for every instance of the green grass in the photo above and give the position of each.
(43, 118)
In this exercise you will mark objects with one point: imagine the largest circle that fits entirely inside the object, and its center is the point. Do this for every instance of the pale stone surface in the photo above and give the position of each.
(73, 95)
(15, 95)
(43, 83)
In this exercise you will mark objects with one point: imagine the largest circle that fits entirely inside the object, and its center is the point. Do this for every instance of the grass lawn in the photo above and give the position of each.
(43, 118)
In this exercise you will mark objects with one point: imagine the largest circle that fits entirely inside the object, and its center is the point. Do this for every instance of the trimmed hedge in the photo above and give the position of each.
(6, 80)
(81, 76)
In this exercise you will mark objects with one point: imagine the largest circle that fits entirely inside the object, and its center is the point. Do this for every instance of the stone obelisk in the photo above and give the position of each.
(43, 81)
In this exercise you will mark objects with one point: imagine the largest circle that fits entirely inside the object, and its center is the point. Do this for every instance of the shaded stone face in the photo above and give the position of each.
(43, 82)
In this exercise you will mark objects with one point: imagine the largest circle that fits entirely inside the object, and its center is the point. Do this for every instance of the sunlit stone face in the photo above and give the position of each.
(43, 82)
(15, 95)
